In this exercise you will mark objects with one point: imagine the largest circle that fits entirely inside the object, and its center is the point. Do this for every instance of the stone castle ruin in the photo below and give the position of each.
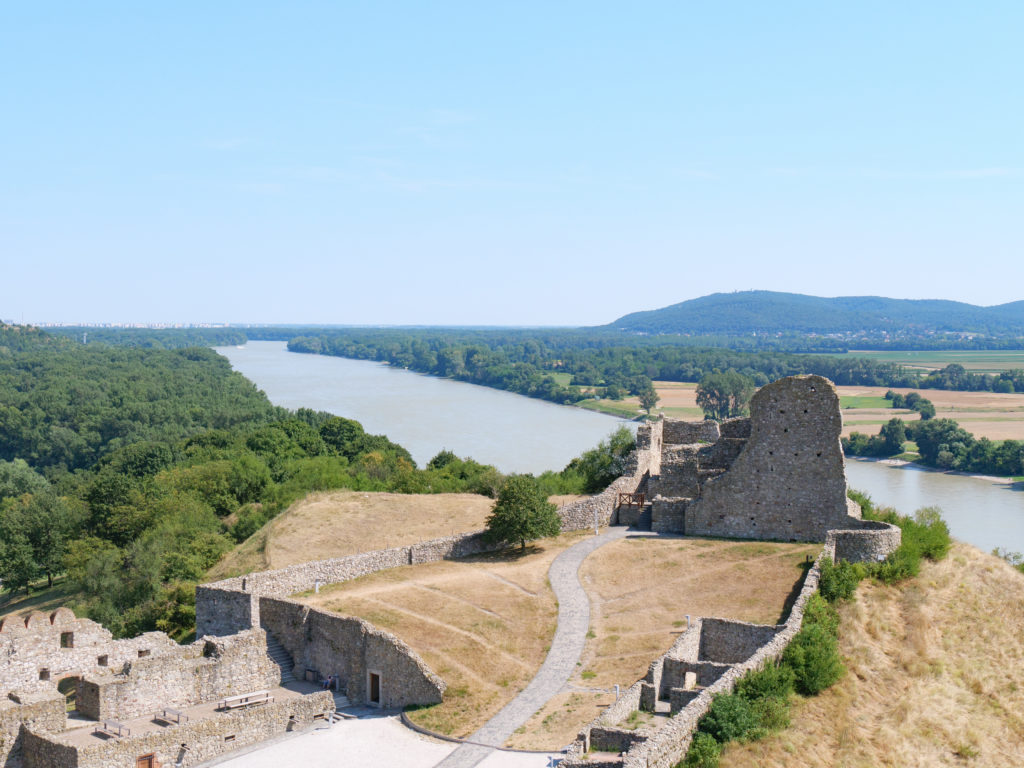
(776, 475)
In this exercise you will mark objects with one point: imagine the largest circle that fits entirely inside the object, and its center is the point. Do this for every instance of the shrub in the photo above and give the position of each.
(731, 716)
(772, 714)
(813, 656)
(823, 614)
(839, 582)
(703, 753)
(771, 681)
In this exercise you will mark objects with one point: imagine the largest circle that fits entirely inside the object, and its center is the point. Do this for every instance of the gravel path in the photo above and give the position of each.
(566, 648)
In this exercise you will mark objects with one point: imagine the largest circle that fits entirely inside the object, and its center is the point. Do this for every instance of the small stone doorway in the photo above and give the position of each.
(373, 688)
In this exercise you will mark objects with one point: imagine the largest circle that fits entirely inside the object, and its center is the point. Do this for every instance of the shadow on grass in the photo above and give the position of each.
(507, 555)
(794, 593)
(42, 598)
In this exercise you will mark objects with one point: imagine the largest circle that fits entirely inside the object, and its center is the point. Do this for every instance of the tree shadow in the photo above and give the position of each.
(507, 555)
(794, 593)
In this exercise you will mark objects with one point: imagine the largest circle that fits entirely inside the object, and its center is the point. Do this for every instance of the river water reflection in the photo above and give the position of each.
(519, 434)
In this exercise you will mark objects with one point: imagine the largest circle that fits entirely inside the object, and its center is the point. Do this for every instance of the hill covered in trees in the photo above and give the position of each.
(770, 313)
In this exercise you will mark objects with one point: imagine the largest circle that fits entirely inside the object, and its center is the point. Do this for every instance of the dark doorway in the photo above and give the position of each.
(69, 687)
(374, 688)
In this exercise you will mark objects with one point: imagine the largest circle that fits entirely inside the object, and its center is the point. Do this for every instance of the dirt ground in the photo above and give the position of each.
(484, 624)
(640, 592)
(935, 677)
(993, 415)
(339, 523)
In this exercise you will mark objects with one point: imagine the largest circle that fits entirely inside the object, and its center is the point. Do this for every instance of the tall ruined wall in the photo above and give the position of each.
(327, 643)
(206, 670)
(789, 482)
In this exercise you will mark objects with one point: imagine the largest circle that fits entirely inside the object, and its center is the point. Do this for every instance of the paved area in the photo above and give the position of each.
(566, 649)
(374, 740)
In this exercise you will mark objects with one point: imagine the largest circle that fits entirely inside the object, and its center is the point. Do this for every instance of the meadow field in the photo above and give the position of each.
(977, 361)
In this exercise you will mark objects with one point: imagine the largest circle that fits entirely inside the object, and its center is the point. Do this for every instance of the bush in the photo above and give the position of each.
(771, 681)
(703, 753)
(821, 613)
(839, 582)
(730, 717)
(813, 656)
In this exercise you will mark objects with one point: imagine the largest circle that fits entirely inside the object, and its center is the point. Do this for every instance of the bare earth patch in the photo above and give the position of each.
(641, 591)
(936, 677)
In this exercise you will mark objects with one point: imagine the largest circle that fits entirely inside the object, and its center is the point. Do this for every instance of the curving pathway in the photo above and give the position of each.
(565, 652)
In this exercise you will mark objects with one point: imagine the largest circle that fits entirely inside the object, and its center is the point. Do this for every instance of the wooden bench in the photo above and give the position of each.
(167, 714)
(245, 700)
(113, 728)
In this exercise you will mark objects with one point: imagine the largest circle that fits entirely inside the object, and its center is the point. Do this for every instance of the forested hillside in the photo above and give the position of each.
(767, 313)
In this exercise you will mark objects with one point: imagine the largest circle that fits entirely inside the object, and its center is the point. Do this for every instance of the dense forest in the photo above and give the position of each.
(132, 470)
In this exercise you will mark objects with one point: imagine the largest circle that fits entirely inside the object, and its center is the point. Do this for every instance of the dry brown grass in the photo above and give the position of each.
(340, 523)
(936, 677)
(483, 624)
(994, 415)
(641, 590)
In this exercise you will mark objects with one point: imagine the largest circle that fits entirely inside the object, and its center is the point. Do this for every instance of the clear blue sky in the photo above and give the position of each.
(502, 163)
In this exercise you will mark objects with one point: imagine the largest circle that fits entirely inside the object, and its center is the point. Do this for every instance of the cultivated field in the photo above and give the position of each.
(984, 414)
(993, 415)
(978, 361)
(640, 593)
(484, 624)
(936, 677)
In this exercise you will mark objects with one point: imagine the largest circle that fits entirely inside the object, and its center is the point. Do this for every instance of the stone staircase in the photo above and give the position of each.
(282, 658)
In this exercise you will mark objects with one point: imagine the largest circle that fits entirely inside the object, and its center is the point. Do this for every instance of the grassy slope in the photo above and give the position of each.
(936, 676)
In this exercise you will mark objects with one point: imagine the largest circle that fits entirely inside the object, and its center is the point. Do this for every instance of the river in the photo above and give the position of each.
(519, 434)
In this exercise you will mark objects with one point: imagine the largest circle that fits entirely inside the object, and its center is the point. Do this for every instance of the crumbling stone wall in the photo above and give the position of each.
(206, 670)
(789, 481)
(38, 650)
(205, 738)
(327, 643)
(40, 710)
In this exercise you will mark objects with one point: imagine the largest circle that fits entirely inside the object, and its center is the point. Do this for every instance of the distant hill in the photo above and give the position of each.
(768, 312)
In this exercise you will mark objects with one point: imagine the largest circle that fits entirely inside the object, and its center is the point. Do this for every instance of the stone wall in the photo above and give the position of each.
(41, 710)
(208, 669)
(327, 643)
(38, 650)
(789, 483)
(204, 738)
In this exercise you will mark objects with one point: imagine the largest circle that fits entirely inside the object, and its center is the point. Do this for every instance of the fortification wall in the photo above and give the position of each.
(327, 643)
(204, 738)
(789, 481)
(206, 670)
(40, 710)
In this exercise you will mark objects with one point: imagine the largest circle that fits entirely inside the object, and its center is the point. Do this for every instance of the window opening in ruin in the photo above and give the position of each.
(144, 653)
(44, 674)
(230, 737)
(102, 661)
(374, 686)
(69, 687)
(146, 761)
(67, 639)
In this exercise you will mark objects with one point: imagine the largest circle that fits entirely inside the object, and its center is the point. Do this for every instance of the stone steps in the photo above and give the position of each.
(280, 656)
